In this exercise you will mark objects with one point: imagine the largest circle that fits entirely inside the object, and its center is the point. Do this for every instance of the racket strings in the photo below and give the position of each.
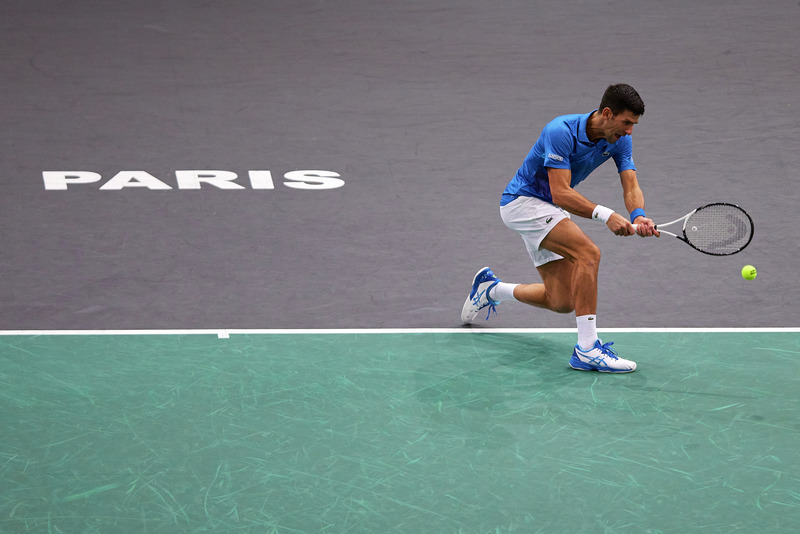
(719, 229)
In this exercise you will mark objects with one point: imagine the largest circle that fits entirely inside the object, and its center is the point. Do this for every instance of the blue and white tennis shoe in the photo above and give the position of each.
(478, 298)
(601, 358)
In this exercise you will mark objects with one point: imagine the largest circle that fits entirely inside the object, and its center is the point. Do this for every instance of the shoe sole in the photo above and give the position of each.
(606, 370)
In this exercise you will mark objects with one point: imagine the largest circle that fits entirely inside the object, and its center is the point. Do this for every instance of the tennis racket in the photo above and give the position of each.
(719, 229)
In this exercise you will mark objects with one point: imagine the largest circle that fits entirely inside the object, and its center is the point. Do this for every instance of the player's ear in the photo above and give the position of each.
(607, 113)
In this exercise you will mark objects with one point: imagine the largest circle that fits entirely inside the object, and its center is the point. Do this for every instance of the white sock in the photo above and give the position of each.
(502, 291)
(587, 331)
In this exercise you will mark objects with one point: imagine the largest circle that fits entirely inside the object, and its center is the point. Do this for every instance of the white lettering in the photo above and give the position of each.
(313, 180)
(60, 180)
(194, 179)
(261, 180)
(134, 179)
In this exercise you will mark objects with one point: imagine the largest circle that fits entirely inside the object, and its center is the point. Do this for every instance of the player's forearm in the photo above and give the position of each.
(631, 192)
(573, 202)
(634, 198)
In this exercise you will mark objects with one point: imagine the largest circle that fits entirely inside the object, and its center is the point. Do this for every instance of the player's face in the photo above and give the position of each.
(619, 125)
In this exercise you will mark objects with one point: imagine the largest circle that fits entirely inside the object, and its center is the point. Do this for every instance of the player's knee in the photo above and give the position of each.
(561, 303)
(563, 307)
(590, 255)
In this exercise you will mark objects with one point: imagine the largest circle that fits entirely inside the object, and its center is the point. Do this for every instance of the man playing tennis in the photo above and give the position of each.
(537, 204)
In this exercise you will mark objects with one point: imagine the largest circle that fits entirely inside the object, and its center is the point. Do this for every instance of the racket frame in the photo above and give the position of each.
(685, 219)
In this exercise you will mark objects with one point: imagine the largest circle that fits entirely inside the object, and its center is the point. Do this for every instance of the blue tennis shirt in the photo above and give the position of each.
(564, 144)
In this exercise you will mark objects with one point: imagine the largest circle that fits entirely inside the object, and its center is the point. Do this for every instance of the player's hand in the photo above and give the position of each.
(646, 227)
(620, 225)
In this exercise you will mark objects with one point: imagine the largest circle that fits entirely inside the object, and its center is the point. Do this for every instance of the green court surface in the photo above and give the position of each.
(440, 432)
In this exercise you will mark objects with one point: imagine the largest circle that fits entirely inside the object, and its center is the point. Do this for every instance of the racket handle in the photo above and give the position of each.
(655, 227)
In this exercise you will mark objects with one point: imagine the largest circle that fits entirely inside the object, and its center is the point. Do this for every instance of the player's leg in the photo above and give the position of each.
(555, 291)
(573, 269)
(532, 219)
(568, 262)
(579, 270)
(578, 278)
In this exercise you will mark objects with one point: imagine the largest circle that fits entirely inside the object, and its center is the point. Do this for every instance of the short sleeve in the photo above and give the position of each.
(623, 156)
(558, 144)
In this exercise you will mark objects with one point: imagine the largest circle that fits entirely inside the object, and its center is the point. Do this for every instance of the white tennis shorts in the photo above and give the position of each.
(533, 219)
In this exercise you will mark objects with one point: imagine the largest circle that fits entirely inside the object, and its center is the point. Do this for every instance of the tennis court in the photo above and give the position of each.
(237, 238)
(447, 431)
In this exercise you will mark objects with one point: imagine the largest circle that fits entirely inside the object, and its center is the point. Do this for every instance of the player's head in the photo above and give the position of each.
(622, 97)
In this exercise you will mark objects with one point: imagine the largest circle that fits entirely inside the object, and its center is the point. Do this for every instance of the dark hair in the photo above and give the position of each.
(621, 97)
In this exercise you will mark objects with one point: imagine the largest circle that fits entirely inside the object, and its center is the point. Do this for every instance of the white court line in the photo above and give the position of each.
(225, 333)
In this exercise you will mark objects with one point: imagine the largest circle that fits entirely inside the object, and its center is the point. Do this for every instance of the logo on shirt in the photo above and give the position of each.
(606, 154)
(555, 157)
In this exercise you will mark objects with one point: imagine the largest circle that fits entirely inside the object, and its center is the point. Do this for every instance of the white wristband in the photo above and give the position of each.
(602, 213)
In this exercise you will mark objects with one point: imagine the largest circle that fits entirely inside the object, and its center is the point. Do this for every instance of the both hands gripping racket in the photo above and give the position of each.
(719, 229)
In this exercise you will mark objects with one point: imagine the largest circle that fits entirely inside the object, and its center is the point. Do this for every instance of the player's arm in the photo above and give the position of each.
(634, 199)
(564, 196)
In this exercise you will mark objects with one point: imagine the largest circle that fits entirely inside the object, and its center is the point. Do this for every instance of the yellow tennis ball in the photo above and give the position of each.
(749, 272)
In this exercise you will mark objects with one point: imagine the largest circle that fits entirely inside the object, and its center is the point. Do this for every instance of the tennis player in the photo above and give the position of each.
(537, 204)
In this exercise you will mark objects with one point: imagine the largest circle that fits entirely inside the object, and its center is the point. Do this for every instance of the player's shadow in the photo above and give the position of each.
(485, 393)
(502, 369)
(471, 390)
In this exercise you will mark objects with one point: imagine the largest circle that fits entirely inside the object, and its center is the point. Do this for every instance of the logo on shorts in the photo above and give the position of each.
(555, 157)
(548, 220)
